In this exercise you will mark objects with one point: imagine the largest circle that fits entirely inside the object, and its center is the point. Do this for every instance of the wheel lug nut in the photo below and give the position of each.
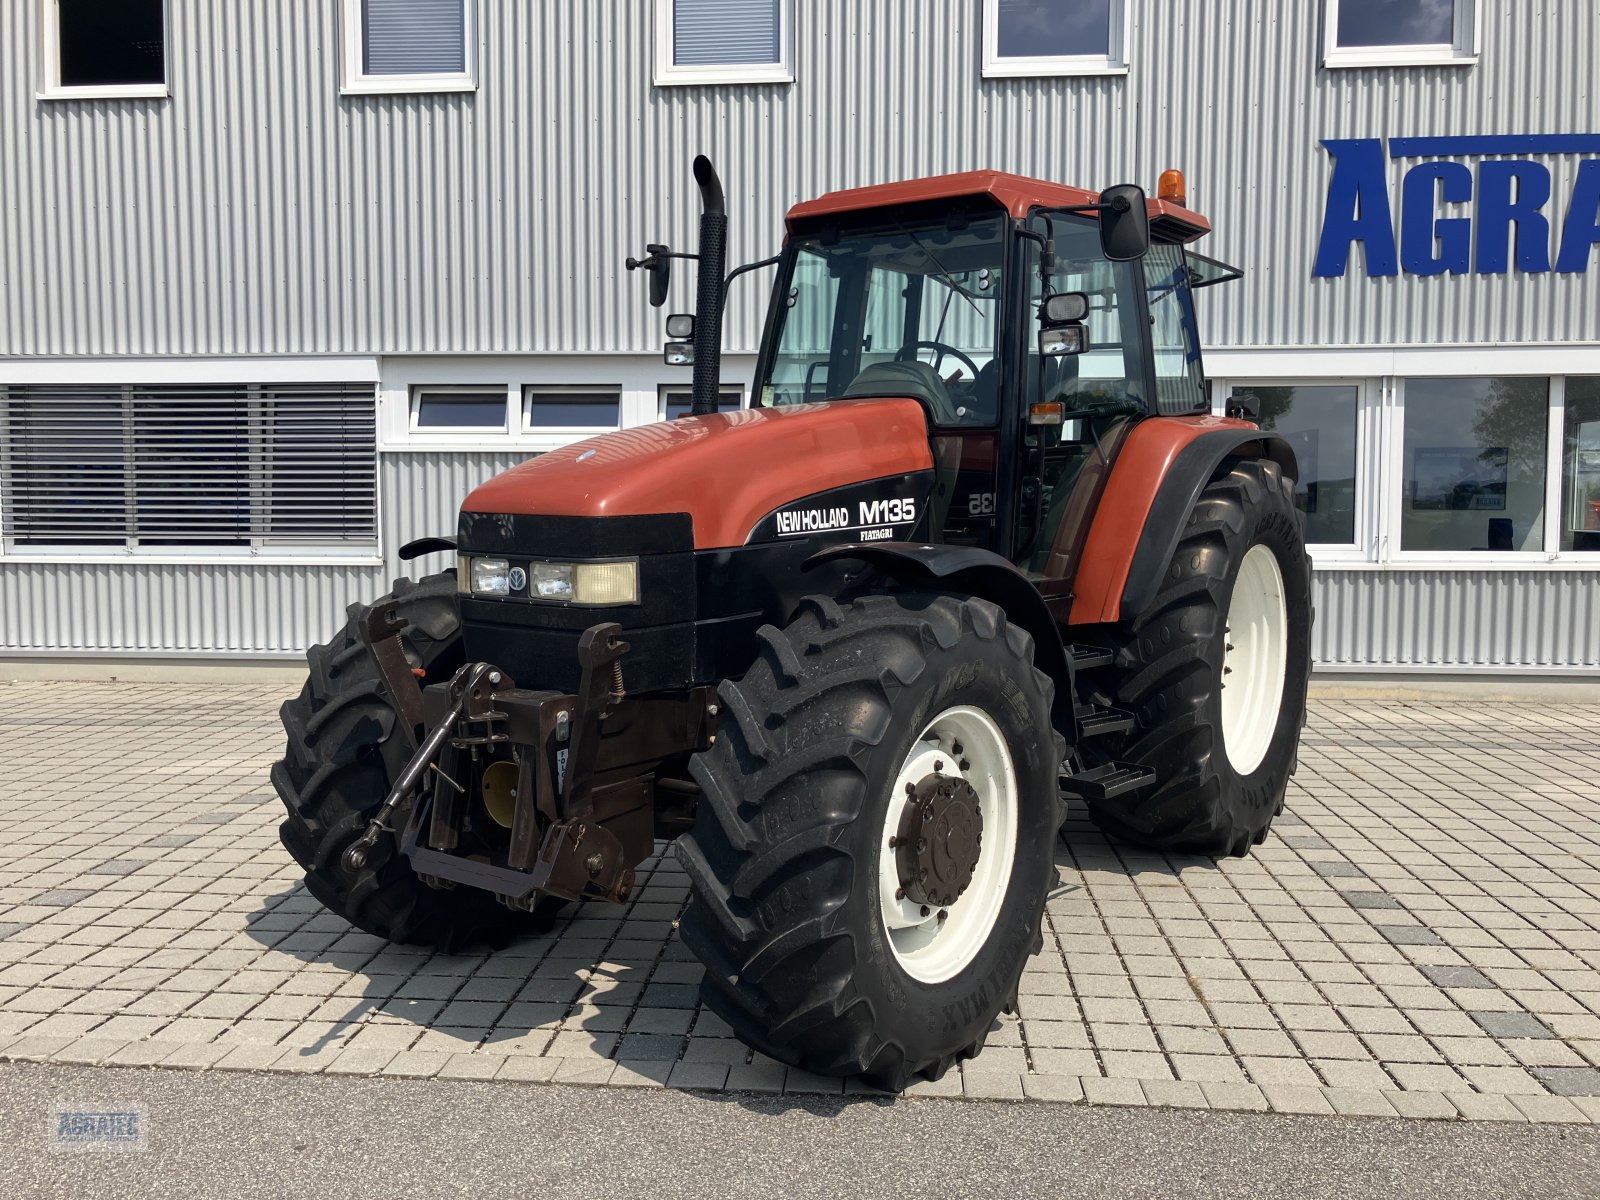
(893, 841)
(899, 893)
(943, 916)
(938, 765)
(922, 845)
(925, 910)
(964, 765)
(911, 788)
(955, 747)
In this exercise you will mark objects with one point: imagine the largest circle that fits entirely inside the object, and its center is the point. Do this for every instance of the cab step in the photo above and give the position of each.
(1085, 658)
(1108, 781)
(1095, 720)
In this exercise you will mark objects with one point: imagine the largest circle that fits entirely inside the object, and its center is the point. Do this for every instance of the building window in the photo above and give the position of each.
(571, 409)
(1580, 467)
(104, 48)
(676, 401)
(1319, 421)
(409, 46)
(723, 41)
(184, 468)
(444, 408)
(1473, 464)
(1378, 33)
(1054, 37)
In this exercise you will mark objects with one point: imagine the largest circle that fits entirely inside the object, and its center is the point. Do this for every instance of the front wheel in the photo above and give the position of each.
(873, 846)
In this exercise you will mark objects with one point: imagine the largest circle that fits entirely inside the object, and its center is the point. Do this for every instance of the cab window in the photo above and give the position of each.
(913, 310)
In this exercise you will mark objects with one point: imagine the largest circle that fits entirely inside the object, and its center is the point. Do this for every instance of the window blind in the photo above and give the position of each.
(188, 465)
(724, 32)
(413, 37)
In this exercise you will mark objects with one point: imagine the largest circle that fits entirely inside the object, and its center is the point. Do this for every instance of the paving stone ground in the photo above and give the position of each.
(1420, 934)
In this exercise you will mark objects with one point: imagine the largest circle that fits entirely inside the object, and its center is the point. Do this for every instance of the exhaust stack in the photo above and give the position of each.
(708, 302)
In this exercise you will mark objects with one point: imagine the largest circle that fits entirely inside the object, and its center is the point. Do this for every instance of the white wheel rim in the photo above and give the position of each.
(927, 948)
(1254, 664)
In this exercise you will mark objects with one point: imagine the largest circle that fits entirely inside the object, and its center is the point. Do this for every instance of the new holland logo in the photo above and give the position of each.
(1455, 219)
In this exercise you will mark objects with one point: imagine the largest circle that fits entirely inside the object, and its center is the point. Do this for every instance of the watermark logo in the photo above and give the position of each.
(1457, 219)
(97, 1129)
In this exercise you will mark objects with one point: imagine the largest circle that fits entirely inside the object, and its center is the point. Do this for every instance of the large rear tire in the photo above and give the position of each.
(343, 750)
(1216, 673)
(847, 721)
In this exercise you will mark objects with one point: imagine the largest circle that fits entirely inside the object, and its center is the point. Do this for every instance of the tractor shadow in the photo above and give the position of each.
(606, 990)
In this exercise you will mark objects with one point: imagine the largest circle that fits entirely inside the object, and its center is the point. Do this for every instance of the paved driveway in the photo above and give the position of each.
(1419, 936)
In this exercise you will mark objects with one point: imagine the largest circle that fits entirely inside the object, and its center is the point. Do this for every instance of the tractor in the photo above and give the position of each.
(975, 545)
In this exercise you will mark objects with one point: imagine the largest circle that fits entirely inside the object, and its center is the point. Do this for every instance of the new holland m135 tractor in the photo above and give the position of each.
(974, 544)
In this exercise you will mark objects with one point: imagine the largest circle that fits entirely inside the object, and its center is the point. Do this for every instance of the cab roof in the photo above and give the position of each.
(1017, 194)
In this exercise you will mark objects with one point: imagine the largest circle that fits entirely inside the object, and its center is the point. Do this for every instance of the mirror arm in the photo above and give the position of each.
(748, 267)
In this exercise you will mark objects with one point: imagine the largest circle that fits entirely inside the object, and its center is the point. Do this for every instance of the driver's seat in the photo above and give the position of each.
(915, 379)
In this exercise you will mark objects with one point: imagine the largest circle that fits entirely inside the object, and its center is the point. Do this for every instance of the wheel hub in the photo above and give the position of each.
(936, 847)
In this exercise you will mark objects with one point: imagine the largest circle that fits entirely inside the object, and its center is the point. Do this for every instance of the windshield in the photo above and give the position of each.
(909, 311)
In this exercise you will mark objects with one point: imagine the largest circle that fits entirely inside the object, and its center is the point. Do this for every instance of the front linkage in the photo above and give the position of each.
(573, 780)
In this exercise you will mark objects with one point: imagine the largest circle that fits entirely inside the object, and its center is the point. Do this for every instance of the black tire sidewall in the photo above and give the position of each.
(934, 1020)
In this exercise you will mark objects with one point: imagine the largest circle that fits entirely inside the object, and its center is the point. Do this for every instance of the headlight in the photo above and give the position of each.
(605, 583)
(491, 577)
(550, 581)
(592, 584)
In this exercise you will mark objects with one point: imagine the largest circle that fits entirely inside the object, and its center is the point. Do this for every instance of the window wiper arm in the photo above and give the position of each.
(944, 272)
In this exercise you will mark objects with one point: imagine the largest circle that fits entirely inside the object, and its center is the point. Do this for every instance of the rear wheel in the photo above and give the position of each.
(873, 846)
(343, 750)
(1215, 673)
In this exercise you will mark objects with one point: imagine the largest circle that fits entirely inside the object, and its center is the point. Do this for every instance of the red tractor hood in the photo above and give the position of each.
(726, 470)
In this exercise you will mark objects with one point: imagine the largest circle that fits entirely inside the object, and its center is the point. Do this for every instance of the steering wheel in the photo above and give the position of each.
(941, 349)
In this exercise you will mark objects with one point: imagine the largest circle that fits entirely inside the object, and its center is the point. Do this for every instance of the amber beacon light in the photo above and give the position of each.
(1171, 187)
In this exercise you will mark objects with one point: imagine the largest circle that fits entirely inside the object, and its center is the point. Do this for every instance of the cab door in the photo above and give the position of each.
(1075, 409)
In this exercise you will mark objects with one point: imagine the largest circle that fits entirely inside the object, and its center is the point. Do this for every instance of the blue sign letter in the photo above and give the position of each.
(1582, 229)
(1357, 209)
(1419, 229)
(1498, 211)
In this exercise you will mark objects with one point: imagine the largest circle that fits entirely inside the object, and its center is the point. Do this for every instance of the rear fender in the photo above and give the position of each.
(1157, 478)
(976, 572)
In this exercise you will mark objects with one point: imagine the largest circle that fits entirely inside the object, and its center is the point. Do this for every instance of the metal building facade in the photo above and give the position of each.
(259, 213)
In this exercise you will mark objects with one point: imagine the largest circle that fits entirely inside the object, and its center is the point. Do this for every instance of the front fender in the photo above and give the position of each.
(977, 572)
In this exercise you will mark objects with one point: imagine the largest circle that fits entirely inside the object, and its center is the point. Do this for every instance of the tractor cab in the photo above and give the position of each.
(1034, 323)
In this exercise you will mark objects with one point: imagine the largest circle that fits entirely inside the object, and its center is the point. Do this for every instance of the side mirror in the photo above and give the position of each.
(679, 354)
(1124, 223)
(659, 266)
(680, 327)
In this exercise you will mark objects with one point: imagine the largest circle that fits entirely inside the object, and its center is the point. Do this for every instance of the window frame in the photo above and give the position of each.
(50, 85)
(1392, 474)
(1462, 51)
(355, 82)
(567, 433)
(1113, 62)
(669, 74)
(414, 409)
(263, 551)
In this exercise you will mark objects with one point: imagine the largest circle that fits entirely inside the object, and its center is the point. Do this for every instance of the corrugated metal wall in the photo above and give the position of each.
(1488, 620)
(258, 211)
(245, 608)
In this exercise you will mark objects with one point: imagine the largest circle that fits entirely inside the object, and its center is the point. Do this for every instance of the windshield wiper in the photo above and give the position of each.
(944, 273)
